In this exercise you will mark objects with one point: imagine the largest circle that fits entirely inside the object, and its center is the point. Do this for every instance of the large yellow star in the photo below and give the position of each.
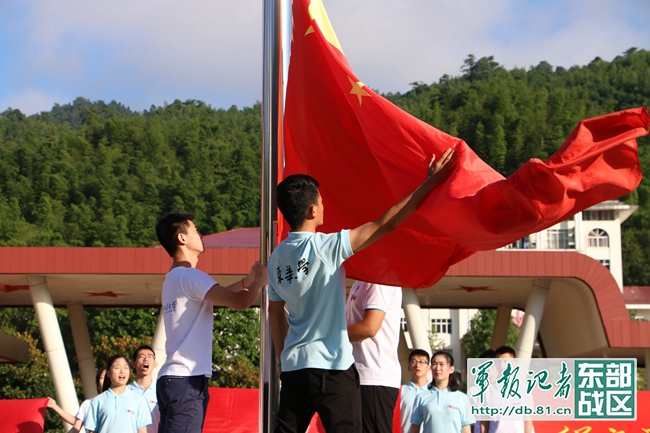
(357, 89)
(317, 13)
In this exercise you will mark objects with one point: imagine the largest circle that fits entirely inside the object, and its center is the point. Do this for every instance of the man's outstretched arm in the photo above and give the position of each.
(241, 294)
(367, 327)
(366, 234)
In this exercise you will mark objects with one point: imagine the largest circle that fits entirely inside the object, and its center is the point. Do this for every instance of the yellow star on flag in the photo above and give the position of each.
(317, 12)
(357, 89)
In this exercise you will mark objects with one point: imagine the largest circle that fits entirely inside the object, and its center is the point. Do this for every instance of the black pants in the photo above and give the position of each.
(334, 394)
(183, 403)
(377, 408)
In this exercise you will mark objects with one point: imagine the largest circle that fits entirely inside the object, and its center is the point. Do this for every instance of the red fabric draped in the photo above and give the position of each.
(232, 410)
(24, 415)
(367, 154)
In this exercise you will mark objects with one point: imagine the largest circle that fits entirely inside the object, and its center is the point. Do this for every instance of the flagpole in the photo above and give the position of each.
(277, 27)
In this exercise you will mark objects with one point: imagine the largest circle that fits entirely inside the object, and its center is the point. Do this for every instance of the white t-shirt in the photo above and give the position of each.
(376, 358)
(82, 413)
(188, 323)
(507, 426)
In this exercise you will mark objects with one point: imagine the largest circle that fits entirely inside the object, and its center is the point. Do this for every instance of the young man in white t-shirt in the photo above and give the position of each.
(306, 276)
(373, 313)
(507, 426)
(188, 300)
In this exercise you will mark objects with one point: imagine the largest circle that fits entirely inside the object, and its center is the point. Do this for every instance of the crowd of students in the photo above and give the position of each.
(119, 407)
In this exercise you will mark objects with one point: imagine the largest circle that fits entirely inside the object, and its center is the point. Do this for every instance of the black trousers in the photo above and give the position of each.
(377, 408)
(183, 403)
(334, 394)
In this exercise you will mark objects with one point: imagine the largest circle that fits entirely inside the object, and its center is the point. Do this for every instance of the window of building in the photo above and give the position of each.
(521, 244)
(598, 238)
(605, 263)
(441, 326)
(404, 325)
(598, 215)
(560, 239)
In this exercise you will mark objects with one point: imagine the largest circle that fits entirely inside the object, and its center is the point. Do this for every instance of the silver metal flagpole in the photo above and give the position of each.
(277, 31)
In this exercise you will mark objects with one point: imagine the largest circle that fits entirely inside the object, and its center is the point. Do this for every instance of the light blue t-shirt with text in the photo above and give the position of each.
(113, 413)
(306, 272)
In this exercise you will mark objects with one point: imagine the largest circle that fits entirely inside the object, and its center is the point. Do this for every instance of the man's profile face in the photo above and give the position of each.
(320, 211)
(194, 239)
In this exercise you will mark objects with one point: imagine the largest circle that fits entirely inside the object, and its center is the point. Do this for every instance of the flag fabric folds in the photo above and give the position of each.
(367, 154)
(23, 415)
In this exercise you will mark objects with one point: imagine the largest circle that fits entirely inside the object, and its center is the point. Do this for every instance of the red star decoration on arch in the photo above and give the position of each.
(469, 289)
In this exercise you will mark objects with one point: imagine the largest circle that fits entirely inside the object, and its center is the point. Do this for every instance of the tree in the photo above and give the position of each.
(236, 348)
(478, 337)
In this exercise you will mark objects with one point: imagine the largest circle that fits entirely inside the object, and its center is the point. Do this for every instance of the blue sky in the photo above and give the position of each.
(145, 52)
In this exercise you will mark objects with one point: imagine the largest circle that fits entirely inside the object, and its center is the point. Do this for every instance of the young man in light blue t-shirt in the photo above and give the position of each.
(419, 369)
(306, 277)
(144, 362)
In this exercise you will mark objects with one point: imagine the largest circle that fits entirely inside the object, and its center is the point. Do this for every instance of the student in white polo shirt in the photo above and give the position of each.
(189, 296)
(373, 313)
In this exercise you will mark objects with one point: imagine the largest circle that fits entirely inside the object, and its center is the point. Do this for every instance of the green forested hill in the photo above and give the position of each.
(98, 175)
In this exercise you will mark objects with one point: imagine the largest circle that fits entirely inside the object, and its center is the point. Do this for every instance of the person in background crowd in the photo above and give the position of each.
(442, 409)
(506, 425)
(144, 363)
(419, 369)
(118, 409)
(373, 313)
(77, 421)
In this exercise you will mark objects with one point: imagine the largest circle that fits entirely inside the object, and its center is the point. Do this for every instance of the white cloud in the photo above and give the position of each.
(390, 44)
(30, 101)
(144, 52)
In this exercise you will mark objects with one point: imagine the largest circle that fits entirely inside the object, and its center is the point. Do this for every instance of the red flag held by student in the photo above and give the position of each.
(367, 154)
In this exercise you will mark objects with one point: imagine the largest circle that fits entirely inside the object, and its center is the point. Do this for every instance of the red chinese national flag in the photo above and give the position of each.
(368, 154)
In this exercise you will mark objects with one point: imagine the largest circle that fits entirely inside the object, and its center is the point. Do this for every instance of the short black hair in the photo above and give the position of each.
(142, 347)
(295, 195)
(489, 353)
(168, 227)
(419, 352)
(504, 349)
